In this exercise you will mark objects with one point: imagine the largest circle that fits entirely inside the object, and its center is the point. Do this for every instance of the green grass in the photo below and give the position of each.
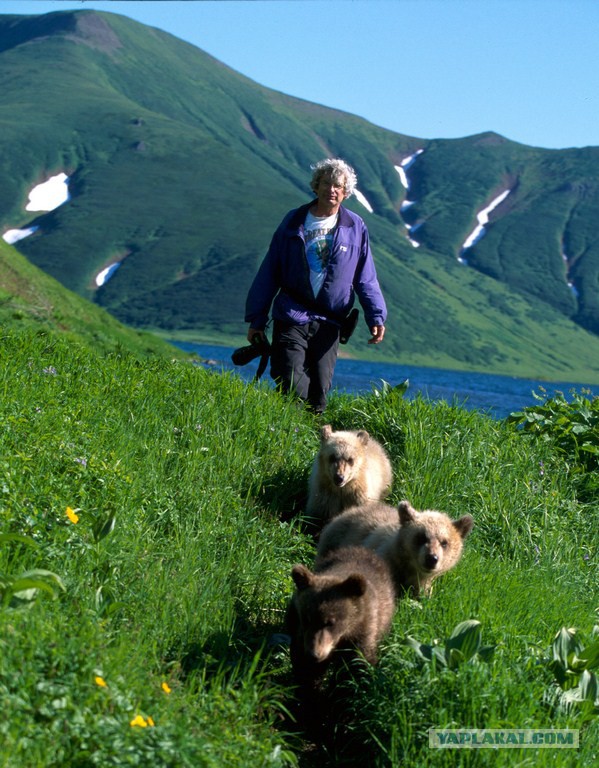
(185, 483)
(32, 300)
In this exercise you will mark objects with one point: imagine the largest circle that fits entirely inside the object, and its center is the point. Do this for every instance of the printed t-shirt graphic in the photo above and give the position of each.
(318, 233)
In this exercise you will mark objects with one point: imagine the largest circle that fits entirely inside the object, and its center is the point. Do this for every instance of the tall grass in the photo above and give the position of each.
(135, 625)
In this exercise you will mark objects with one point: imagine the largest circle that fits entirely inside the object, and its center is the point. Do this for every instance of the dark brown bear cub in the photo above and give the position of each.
(345, 604)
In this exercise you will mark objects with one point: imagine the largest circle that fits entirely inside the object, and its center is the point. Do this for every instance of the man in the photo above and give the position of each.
(318, 261)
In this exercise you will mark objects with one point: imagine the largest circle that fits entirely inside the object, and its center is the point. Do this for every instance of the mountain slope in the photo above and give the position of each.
(180, 169)
(31, 299)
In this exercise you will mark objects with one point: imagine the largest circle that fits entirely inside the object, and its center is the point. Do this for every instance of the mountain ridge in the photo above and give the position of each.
(180, 168)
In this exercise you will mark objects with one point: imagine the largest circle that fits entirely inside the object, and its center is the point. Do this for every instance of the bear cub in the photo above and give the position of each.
(418, 546)
(345, 604)
(351, 468)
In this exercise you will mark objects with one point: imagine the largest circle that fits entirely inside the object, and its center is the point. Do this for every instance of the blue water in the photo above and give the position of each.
(496, 395)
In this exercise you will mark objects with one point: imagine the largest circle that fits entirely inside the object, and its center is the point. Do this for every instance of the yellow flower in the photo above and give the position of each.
(151, 722)
(72, 516)
(138, 721)
(101, 682)
(166, 687)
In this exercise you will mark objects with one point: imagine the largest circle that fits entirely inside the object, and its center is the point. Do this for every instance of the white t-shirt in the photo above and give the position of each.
(318, 233)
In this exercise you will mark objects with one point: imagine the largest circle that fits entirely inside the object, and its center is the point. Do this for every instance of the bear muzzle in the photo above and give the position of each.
(431, 561)
(320, 646)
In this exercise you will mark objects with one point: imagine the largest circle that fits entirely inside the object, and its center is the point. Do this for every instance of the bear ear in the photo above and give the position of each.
(407, 513)
(326, 432)
(302, 576)
(464, 525)
(363, 435)
(354, 585)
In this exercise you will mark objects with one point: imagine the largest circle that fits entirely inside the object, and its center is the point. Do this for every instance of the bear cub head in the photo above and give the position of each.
(341, 455)
(430, 541)
(345, 603)
(328, 610)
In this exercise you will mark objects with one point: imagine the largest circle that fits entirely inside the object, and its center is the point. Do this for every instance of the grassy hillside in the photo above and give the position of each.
(180, 169)
(147, 536)
(32, 300)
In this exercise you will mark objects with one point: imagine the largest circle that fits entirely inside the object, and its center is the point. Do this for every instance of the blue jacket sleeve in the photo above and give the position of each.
(367, 288)
(264, 287)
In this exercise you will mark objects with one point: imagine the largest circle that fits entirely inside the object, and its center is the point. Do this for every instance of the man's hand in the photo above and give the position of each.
(254, 332)
(378, 332)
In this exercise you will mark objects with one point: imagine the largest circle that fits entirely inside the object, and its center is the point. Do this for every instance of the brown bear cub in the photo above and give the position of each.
(351, 468)
(418, 546)
(345, 604)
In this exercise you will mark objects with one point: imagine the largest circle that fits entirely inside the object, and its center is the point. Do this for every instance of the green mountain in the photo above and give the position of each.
(32, 300)
(180, 168)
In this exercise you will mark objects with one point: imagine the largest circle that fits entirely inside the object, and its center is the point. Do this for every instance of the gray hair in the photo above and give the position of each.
(334, 168)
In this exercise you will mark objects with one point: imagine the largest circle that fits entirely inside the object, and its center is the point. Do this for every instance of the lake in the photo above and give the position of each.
(496, 395)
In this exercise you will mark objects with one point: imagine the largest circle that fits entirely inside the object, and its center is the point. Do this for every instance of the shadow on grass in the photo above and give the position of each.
(284, 494)
(326, 724)
(321, 728)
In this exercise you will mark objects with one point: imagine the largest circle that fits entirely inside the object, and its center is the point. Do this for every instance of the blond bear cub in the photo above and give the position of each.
(345, 604)
(418, 546)
(350, 469)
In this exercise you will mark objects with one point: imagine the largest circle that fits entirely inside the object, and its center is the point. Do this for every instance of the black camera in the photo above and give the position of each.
(260, 347)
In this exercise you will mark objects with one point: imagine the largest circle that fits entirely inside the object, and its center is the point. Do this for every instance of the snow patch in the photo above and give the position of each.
(483, 219)
(403, 177)
(105, 275)
(49, 195)
(12, 236)
(404, 165)
(43, 197)
(363, 200)
(411, 230)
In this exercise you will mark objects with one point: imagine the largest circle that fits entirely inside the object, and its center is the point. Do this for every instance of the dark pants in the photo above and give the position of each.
(303, 359)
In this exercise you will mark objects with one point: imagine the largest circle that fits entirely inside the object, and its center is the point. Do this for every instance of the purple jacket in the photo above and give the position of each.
(284, 276)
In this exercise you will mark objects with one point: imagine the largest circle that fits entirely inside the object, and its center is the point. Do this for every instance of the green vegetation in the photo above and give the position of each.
(147, 531)
(180, 169)
(30, 299)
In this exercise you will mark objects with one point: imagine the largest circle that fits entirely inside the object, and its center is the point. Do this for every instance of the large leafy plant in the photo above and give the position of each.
(573, 665)
(572, 425)
(463, 645)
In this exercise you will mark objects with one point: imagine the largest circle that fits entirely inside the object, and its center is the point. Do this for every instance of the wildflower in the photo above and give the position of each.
(166, 687)
(73, 517)
(82, 460)
(100, 681)
(50, 370)
(139, 722)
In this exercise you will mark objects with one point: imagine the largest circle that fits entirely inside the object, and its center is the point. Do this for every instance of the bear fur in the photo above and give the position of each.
(346, 603)
(418, 546)
(351, 468)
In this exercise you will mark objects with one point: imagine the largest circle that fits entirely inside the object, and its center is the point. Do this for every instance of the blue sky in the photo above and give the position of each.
(527, 69)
